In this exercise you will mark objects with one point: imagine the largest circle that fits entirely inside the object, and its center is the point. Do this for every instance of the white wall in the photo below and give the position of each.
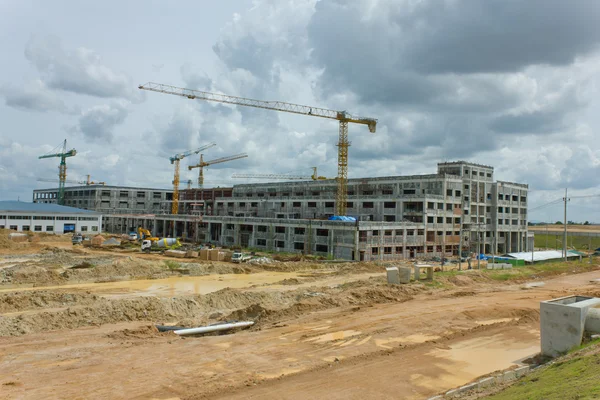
(52, 224)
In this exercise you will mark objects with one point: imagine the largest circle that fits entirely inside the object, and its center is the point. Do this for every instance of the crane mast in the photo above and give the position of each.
(62, 169)
(342, 116)
(203, 164)
(175, 161)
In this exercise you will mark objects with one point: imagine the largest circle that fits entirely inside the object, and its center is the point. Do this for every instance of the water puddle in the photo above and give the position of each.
(330, 337)
(534, 285)
(479, 356)
(170, 287)
(411, 339)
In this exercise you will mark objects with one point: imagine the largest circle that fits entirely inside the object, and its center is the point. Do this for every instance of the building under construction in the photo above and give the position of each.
(397, 216)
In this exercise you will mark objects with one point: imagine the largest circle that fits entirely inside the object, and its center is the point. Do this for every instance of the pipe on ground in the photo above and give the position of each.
(592, 320)
(213, 328)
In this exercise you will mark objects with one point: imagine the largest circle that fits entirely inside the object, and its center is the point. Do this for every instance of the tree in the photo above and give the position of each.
(558, 223)
(586, 223)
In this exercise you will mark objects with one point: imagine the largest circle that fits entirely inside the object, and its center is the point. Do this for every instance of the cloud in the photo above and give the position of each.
(98, 122)
(35, 97)
(79, 71)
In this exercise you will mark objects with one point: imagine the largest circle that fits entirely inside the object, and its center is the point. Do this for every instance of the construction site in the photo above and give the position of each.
(414, 287)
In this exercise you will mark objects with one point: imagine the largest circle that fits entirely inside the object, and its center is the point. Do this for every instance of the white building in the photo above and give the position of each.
(49, 218)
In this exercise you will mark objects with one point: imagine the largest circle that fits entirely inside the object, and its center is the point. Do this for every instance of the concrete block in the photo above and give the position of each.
(507, 266)
(468, 387)
(191, 254)
(509, 376)
(404, 273)
(487, 382)
(562, 323)
(519, 372)
(393, 276)
(175, 253)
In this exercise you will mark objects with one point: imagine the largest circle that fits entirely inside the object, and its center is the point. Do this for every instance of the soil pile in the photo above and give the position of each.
(85, 309)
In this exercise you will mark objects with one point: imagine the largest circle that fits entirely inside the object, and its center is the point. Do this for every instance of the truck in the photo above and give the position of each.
(239, 257)
(160, 244)
(77, 239)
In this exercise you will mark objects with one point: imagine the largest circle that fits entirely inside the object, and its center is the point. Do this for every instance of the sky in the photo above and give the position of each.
(507, 83)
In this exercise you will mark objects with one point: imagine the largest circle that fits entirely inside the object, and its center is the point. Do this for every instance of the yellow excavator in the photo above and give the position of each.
(145, 234)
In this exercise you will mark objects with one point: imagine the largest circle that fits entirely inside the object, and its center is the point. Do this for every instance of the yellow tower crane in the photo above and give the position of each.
(175, 160)
(342, 116)
(203, 164)
(315, 176)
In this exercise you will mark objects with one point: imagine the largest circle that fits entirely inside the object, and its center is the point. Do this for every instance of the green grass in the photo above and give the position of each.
(575, 377)
(578, 242)
(527, 272)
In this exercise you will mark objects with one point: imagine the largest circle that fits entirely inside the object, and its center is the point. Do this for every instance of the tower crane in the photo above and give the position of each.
(175, 161)
(62, 168)
(87, 182)
(314, 176)
(342, 116)
(203, 164)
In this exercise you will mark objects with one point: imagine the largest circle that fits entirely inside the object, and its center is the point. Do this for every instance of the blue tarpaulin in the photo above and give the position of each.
(342, 218)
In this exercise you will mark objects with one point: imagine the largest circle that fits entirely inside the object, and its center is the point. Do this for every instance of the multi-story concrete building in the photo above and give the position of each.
(110, 199)
(409, 216)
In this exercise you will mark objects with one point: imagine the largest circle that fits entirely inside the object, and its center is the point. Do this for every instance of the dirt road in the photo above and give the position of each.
(410, 347)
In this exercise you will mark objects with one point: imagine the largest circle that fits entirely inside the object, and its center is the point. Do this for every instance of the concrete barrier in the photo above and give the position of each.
(393, 276)
(405, 274)
(505, 376)
(499, 266)
(563, 322)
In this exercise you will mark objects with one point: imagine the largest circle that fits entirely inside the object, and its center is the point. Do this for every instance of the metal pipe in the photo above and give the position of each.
(213, 328)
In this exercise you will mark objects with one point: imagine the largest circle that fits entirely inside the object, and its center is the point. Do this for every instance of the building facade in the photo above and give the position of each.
(110, 199)
(460, 207)
(48, 218)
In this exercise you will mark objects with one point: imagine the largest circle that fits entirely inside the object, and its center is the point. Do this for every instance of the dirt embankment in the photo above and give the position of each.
(73, 311)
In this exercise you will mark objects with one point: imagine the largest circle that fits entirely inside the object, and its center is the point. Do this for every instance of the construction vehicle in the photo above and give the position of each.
(145, 234)
(203, 164)
(160, 244)
(175, 161)
(239, 257)
(314, 176)
(342, 116)
(77, 238)
(62, 168)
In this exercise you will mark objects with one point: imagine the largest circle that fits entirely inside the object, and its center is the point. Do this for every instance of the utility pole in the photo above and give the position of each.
(460, 239)
(565, 199)
(478, 243)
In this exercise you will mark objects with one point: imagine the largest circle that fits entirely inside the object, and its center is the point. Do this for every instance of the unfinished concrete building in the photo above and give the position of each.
(398, 216)
(110, 199)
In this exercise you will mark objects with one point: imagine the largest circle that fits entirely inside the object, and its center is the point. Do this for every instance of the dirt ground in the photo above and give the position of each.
(81, 325)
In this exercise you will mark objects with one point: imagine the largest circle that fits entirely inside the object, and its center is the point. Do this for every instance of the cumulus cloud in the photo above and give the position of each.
(98, 122)
(79, 71)
(33, 96)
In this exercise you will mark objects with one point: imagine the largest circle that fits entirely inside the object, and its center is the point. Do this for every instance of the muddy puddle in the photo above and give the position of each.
(468, 359)
(171, 287)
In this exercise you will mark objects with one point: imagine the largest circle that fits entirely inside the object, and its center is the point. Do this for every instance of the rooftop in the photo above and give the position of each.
(87, 187)
(461, 162)
(38, 208)
(541, 255)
